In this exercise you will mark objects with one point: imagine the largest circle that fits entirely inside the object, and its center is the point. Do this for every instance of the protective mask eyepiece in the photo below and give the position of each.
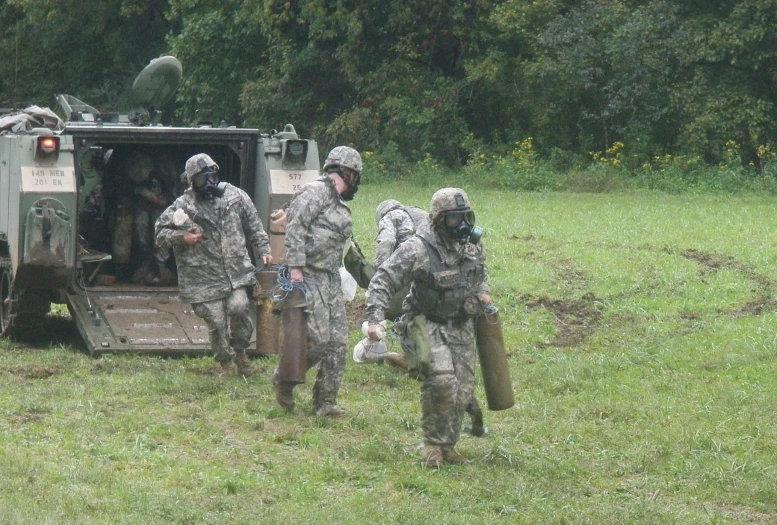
(454, 218)
(206, 184)
(460, 224)
(200, 179)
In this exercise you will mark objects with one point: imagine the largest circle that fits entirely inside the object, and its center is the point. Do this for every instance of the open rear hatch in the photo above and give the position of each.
(138, 319)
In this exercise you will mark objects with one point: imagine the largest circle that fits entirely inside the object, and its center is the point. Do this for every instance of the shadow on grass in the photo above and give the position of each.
(51, 330)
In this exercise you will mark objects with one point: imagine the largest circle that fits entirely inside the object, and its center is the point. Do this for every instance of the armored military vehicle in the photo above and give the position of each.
(77, 206)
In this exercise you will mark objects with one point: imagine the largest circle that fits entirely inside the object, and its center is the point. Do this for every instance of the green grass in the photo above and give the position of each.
(641, 329)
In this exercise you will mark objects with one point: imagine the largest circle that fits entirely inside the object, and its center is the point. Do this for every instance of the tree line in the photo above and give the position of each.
(441, 79)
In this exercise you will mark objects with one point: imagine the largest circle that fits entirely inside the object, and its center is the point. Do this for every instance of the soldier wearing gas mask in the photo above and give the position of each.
(445, 264)
(209, 228)
(319, 226)
(396, 224)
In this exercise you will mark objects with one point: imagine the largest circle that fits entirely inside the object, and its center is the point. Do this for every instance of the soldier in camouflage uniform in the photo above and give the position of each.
(319, 225)
(449, 286)
(396, 224)
(209, 228)
(151, 197)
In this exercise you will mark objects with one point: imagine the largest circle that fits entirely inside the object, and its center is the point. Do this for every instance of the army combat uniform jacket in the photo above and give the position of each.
(446, 277)
(394, 228)
(220, 262)
(319, 225)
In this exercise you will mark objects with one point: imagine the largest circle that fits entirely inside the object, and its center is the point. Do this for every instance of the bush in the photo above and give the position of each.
(614, 169)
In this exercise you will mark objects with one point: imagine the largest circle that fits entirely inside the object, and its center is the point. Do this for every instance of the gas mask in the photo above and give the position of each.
(460, 225)
(206, 184)
(353, 185)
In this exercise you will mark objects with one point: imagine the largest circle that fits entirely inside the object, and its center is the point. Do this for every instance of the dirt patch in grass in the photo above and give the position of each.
(713, 262)
(34, 372)
(103, 367)
(759, 306)
(210, 371)
(575, 321)
(25, 418)
(742, 514)
(356, 313)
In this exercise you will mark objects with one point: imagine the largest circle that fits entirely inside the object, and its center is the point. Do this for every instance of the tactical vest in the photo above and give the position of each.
(441, 295)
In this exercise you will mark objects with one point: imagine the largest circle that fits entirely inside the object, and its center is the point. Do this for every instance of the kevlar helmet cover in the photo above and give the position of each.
(448, 199)
(198, 163)
(385, 207)
(345, 157)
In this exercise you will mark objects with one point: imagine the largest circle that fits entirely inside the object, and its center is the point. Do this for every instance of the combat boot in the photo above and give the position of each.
(450, 455)
(328, 410)
(397, 361)
(164, 278)
(431, 457)
(227, 369)
(475, 430)
(243, 364)
(284, 394)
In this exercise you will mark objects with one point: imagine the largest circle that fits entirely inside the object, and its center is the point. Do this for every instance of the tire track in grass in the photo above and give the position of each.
(710, 263)
(575, 319)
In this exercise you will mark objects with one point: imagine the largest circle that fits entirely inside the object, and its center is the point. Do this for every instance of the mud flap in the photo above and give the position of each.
(149, 321)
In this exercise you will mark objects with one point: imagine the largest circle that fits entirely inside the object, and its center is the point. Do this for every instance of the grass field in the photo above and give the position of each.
(641, 328)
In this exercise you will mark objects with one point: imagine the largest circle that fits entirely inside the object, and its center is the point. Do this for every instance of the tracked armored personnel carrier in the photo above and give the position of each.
(75, 213)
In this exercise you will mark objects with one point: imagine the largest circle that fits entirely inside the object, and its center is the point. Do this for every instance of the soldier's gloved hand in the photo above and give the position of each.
(296, 274)
(374, 331)
(192, 236)
(484, 299)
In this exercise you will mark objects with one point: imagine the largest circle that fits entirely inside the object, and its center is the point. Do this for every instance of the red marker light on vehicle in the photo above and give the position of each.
(47, 147)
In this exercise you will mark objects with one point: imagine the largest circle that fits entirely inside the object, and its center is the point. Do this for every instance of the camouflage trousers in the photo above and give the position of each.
(448, 389)
(327, 334)
(144, 230)
(229, 323)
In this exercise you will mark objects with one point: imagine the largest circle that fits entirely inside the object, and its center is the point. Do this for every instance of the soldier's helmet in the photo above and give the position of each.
(385, 207)
(345, 157)
(197, 163)
(139, 167)
(448, 199)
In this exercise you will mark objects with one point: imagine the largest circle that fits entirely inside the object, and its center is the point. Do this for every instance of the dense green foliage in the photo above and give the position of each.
(92, 50)
(448, 80)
